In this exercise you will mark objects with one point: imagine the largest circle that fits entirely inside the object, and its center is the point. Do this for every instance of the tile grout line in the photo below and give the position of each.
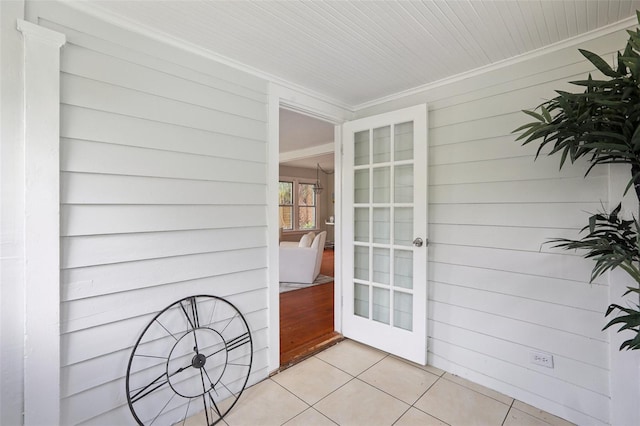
(506, 416)
(423, 394)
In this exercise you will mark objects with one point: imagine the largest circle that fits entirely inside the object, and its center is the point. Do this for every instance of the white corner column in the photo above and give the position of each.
(42, 223)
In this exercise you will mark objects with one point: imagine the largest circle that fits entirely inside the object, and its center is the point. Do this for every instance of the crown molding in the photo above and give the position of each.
(570, 42)
(314, 151)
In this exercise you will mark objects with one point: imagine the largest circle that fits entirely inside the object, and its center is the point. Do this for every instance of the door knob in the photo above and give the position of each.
(418, 242)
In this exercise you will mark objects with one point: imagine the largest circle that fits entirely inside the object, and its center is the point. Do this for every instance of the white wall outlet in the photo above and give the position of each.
(541, 358)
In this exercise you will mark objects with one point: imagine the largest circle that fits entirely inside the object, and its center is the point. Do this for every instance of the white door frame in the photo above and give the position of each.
(280, 96)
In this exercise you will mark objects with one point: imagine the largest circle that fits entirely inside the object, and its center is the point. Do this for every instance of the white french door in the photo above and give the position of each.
(384, 212)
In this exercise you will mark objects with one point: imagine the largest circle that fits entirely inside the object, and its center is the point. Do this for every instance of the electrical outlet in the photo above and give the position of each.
(541, 358)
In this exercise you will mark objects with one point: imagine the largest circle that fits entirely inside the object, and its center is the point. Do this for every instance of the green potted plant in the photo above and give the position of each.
(602, 123)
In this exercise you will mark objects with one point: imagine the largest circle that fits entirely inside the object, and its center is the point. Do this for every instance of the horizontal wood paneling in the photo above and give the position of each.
(91, 281)
(552, 290)
(500, 237)
(591, 378)
(89, 312)
(94, 250)
(550, 265)
(116, 219)
(546, 339)
(79, 156)
(590, 190)
(86, 93)
(566, 215)
(86, 188)
(99, 66)
(506, 170)
(163, 195)
(100, 126)
(581, 322)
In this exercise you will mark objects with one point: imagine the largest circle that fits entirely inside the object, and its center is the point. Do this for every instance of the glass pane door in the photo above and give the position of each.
(383, 224)
(384, 208)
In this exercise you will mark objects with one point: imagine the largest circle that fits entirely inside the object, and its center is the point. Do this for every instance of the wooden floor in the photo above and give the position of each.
(306, 317)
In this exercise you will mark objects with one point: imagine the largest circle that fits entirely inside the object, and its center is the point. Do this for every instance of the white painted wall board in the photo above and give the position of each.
(104, 279)
(590, 190)
(572, 320)
(93, 250)
(594, 379)
(564, 215)
(100, 126)
(551, 340)
(507, 170)
(116, 219)
(123, 334)
(592, 297)
(479, 150)
(490, 127)
(501, 237)
(79, 156)
(90, 188)
(83, 92)
(550, 265)
(98, 66)
(93, 311)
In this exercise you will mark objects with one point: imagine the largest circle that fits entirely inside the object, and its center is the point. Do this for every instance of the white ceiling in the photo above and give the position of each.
(357, 52)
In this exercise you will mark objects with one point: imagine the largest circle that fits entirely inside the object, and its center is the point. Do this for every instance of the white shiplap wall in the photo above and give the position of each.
(163, 193)
(496, 293)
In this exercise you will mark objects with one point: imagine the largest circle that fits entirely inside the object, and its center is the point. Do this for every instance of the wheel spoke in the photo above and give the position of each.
(165, 406)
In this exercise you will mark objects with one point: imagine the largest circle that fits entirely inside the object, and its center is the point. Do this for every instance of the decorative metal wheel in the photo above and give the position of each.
(191, 363)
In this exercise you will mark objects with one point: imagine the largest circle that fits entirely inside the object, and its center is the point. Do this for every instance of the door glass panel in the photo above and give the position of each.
(403, 184)
(381, 261)
(361, 186)
(361, 225)
(361, 263)
(381, 305)
(403, 137)
(381, 185)
(382, 144)
(361, 148)
(361, 300)
(402, 310)
(403, 268)
(381, 225)
(403, 226)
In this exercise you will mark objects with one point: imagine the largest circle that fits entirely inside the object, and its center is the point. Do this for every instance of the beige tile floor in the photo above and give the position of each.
(352, 384)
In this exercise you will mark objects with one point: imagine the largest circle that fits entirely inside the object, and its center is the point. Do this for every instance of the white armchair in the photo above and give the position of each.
(301, 264)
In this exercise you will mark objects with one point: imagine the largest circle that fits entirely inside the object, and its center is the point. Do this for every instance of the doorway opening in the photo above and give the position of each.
(307, 210)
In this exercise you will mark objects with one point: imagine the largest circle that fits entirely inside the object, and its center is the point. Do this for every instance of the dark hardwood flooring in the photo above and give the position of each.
(306, 318)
